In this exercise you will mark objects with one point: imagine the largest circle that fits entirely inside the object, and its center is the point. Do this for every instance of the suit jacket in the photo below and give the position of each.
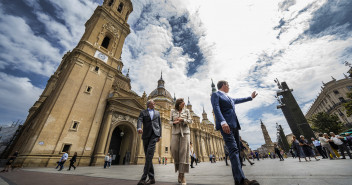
(224, 109)
(149, 125)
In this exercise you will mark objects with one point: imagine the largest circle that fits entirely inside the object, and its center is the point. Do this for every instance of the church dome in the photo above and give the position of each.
(160, 92)
(156, 93)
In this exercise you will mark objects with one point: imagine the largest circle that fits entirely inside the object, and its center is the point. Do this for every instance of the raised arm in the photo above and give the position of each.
(241, 100)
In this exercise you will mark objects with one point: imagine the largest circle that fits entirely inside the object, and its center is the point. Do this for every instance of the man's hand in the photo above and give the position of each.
(226, 128)
(254, 94)
(176, 122)
(140, 131)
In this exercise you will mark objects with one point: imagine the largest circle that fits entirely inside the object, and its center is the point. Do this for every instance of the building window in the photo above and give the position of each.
(166, 149)
(342, 100)
(105, 43)
(110, 3)
(119, 9)
(74, 126)
(349, 88)
(96, 69)
(336, 92)
(66, 148)
(88, 89)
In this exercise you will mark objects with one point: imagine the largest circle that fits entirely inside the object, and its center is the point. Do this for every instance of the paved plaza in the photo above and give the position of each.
(268, 171)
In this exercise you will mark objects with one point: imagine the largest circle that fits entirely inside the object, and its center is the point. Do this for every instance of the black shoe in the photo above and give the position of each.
(150, 181)
(141, 182)
(252, 163)
(248, 182)
(227, 165)
(343, 158)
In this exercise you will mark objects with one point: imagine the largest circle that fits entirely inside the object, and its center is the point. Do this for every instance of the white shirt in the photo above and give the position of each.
(316, 143)
(323, 141)
(107, 158)
(151, 113)
(64, 157)
(336, 140)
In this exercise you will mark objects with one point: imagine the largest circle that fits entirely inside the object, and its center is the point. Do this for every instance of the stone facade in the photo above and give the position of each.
(331, 99)
(88, 106)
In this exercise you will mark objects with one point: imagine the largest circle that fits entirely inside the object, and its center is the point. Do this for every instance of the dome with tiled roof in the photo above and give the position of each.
(160, 92)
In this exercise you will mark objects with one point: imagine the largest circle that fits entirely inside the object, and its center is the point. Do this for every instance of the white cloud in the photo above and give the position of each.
(17, 95)
(23, 50)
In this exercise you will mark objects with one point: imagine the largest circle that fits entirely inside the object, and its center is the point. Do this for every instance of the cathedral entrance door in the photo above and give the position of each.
(121, 145)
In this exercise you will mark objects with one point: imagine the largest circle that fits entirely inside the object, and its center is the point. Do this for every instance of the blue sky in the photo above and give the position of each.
(248, 43)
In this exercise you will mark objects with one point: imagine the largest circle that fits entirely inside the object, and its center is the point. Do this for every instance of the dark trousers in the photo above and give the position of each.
(226, 156)
(106, 164)
(149, 149)
(192, 161)
(62, 165)
(342, 149)
(280, 156)
(232, 141)
(321, 151)
(72, 165)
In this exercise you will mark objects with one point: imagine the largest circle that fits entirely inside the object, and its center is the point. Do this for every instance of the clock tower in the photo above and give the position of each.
(70, 114)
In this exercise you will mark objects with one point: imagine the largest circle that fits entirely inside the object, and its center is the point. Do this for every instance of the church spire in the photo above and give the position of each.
(189, 105)
(128, 73)
(205, 115)
(213, 89)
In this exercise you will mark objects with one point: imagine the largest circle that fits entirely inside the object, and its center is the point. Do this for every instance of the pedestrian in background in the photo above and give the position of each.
(341, 145)
(317, 145)
(72, 162)
(110, 160)
(63, 160)
(106, 160)
(227, 155)
(298, 149)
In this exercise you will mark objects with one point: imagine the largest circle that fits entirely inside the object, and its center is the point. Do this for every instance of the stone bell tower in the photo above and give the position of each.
(68, 115)
(269, 145)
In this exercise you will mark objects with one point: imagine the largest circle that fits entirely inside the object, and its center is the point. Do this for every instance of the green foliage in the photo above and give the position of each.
(325, 123)
(348, 105)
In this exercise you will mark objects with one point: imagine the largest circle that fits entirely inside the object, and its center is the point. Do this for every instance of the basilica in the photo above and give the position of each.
(88, 105)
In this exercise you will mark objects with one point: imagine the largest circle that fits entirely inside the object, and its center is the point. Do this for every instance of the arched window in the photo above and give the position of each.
(110, 3)
(106, 42)
(119, 9)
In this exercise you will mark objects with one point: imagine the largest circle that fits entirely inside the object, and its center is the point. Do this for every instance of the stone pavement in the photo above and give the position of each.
(268, 171)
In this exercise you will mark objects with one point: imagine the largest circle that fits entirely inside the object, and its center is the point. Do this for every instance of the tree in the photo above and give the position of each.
(348, 105)
(325, 123)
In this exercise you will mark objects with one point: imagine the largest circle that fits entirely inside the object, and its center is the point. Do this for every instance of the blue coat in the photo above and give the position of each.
(224, 109)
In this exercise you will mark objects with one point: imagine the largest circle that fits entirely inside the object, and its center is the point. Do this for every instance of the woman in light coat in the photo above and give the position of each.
(180, 118)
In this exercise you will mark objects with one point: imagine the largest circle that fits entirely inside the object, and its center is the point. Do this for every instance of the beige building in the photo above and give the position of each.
(88, 106)
(331, 99)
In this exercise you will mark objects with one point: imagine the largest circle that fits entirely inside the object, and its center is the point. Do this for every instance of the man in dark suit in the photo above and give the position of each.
(151, 134)
(227, 122)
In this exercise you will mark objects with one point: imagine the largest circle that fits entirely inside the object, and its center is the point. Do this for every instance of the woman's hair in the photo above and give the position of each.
(178, 102)
(75, 153)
